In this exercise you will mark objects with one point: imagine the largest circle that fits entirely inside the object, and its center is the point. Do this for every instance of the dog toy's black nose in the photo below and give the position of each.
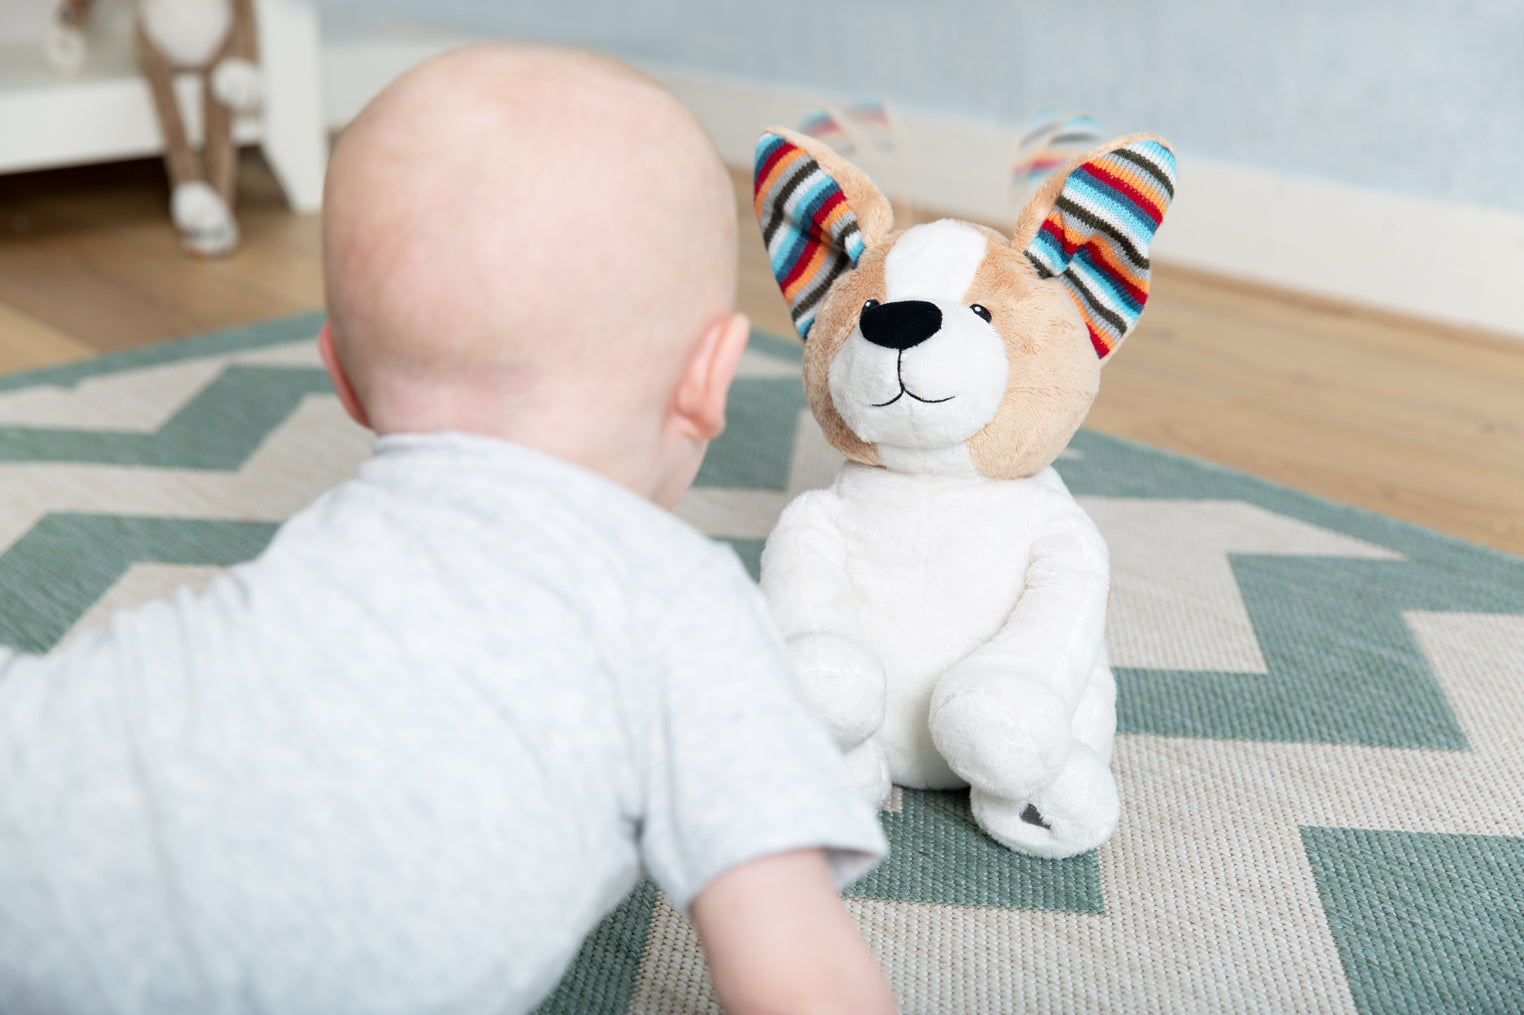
(900, 325)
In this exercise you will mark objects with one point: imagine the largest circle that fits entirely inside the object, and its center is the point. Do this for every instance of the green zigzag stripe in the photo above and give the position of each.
(1424, 922)
(297, 328)
(750, 552)
(218, 429)
(779, 348)
(66, 562)
(1114, 467)
(604, 975)
(1343, 666)
(938, 856)
(756, 449)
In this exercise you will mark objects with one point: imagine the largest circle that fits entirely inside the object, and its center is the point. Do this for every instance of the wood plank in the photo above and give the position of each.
(27, 343)
(1390, 389)
(91, 252)
(1395, 416)
(1389, 474)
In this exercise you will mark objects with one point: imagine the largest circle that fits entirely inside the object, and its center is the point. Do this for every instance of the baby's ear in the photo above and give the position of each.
(1090, 226)
(818, 214)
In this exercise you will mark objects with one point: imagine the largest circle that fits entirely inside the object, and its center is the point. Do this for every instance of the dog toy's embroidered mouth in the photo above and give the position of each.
(899, 366)
(906, 391)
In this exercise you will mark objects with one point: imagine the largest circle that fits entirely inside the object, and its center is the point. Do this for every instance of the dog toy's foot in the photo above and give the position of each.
(1077, 813)
(196, 207)
(213, 243)
(1004, 736)
(205, 221)
(869, 768)
(844, 681)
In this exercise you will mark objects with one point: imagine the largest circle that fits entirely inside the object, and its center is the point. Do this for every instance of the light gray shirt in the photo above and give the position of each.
(406, 759)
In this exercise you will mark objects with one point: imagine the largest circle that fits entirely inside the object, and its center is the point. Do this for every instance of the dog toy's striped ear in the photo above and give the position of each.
(1091, 227)
(818, 214)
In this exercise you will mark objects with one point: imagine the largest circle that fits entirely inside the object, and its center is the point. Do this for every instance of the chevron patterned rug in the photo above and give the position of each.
(1320, 751)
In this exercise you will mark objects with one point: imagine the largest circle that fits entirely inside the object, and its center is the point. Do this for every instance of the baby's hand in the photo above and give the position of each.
(778, 939)
(845, 682)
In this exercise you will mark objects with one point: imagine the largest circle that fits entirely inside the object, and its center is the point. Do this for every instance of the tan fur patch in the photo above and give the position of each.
(834, 324)
(1054, 372)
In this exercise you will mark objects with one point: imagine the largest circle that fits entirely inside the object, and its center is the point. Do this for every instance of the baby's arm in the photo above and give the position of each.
(778, 940)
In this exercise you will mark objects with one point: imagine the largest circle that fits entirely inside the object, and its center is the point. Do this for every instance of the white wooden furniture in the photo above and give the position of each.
(104, 113)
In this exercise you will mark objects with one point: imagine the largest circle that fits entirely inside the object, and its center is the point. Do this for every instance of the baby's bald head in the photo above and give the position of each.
(502, 223)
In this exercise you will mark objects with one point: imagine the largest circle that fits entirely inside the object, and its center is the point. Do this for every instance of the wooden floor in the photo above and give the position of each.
(1404, 418)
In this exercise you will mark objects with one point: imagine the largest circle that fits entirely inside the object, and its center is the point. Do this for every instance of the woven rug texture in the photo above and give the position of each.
(1319, 751)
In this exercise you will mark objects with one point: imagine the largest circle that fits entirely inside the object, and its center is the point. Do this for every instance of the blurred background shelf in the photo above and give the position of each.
(104, 112)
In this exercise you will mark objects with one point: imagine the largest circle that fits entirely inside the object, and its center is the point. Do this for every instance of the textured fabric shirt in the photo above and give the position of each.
(406, 759)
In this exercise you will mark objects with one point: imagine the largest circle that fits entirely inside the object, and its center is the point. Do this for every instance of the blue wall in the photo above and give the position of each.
(1424, 97)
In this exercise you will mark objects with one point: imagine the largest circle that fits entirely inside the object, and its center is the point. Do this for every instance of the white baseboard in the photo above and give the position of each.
(1448, 263)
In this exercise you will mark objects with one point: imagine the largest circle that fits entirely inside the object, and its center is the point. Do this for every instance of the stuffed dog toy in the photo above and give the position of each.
(216, 40)
(945, 598)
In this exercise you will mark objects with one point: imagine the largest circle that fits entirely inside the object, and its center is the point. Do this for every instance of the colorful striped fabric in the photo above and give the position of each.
(810, 232)
(825, 128)
(870, 114)
(1097, 235)
(866, 123)
(1049, 142)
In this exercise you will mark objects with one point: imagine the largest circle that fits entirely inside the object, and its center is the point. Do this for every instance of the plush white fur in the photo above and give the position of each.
(204, 217)
(950, 628)
(238, 84)
(950, 625)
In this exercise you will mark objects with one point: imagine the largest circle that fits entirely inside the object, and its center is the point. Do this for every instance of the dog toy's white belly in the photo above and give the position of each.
(937, 564)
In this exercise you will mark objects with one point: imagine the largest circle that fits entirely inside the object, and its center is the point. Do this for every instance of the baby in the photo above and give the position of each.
(410, 756)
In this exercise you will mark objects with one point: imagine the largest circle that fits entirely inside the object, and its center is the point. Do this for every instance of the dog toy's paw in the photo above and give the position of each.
(204, 219)
(1002, 734)
(237, 84)
(845, 681)
(218, 242)
(1075, 814)
(196, 207)
(869, 767)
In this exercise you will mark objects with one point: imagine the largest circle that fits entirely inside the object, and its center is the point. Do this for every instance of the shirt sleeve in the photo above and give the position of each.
(737, 764)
